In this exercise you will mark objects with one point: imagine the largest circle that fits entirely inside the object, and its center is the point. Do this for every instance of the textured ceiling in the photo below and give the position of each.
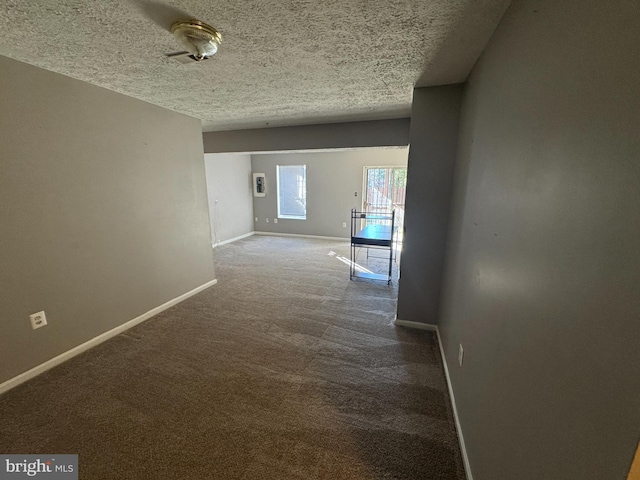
(282, 62)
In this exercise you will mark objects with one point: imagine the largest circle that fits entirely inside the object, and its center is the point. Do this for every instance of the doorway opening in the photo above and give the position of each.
(384, 192)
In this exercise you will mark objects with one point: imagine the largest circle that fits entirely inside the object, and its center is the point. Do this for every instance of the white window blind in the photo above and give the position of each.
(292, 191)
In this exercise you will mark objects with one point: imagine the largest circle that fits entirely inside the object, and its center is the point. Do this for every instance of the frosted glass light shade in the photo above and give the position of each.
(197, 38)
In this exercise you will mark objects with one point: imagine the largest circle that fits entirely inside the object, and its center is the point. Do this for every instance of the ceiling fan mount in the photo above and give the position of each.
(198, 38)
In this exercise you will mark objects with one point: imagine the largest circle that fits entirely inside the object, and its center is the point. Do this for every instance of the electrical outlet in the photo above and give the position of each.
(460, 354)
(38, 320)
(256, 219)
(344, 224)
(275, 220)
(267, 220)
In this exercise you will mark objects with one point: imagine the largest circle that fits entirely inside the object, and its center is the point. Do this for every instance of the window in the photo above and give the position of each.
(292, 191)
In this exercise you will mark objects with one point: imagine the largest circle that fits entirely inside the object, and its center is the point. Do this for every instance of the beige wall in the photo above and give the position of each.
(103, 207)
(377, 133)
(230, 195)
(432, 156)
(333, 179)
(543, 272)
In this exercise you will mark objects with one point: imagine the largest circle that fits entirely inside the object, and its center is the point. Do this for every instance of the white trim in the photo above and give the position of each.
(463, 448)
(276, 234)
(417, 325)
(63, 357)
(224, 242)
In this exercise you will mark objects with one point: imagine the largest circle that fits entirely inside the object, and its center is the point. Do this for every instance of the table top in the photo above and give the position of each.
(374, 235)
(375, 232)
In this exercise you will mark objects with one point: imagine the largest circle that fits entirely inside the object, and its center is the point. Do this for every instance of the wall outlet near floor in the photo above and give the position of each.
(267, 220)
(275, 220)
(344, 224)
(38, 320)
(460, 354)
(256, 219)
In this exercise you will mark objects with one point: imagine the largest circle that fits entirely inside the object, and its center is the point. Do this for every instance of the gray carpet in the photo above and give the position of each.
(284, 370)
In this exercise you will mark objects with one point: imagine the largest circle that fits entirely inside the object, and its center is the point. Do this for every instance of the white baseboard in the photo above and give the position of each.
(63, 357)
(463, 448)
(276, 234)
(224, 242)
(418, 325)
(429, 326)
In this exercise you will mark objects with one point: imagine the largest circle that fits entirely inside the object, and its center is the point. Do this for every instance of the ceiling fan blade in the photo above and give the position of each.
(161, 14)
(176, 54)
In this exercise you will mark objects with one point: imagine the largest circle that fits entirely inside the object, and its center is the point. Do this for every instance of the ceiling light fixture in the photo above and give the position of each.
(198, 38)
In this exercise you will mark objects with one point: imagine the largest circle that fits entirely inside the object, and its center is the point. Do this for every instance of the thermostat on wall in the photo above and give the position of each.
(259, 185)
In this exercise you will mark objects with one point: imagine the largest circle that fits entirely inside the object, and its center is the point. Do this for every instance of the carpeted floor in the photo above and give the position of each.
(283, 370)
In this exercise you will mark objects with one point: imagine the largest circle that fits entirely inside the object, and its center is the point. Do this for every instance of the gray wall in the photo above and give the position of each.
(332, 180)
(432, 155)
(230, 195)
(103, 207)
(378, 133)
(543, 272)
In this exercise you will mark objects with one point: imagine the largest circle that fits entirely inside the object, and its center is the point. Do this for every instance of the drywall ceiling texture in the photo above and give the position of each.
(281, 62)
